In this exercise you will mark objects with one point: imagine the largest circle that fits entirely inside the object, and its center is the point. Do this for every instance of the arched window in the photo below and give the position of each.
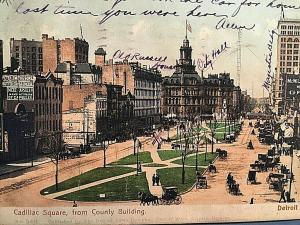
(296, 40)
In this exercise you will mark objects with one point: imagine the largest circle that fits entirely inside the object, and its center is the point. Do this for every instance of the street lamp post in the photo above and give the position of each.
(198, 141)
(137, 157)
(183, 157)
(205, 145)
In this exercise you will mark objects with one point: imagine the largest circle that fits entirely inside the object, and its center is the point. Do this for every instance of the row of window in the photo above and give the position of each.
(33, 49)
(52, 125)
(290, 52)
(289, 70)
(146, 112)
(145, 103)
(146, 84)
(145, 93)
(48, 93)
(282, 63)
(283, 45)
(283, 39)
(48, 109)
(282, 57)
(187, 101)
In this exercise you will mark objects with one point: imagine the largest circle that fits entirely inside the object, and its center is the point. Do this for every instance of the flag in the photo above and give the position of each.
(189, 27)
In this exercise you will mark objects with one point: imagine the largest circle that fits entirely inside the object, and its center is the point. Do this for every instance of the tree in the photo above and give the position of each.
(184, 154)
(51, 146)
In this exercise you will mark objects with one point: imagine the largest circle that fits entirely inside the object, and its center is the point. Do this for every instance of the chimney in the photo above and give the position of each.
(100, 54)
(45, 36)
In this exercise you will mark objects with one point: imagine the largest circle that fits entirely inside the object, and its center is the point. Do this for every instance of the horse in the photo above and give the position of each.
(147, 198)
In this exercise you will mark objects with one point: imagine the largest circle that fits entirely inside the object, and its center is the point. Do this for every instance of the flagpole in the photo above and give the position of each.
(186, 29)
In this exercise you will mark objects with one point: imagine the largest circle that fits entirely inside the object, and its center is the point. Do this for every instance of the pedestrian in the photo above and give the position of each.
(252, 201)
(282, 196)
(157, 180)
(153, 179)
(81, 148)
(140, 167)
(74, 204)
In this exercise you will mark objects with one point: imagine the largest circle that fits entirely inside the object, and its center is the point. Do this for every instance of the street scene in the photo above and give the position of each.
(168, 104)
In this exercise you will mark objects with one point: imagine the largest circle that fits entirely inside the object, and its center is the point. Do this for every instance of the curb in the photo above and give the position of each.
(24, 168)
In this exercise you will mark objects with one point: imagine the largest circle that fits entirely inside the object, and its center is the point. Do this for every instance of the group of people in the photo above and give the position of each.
(155, 180)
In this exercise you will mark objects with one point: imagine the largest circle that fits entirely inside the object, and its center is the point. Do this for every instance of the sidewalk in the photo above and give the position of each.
(20, 165)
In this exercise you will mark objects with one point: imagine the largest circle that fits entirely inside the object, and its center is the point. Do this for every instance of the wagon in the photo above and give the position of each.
(201, 183)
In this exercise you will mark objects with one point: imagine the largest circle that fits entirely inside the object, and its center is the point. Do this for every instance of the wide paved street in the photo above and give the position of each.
(22, 188)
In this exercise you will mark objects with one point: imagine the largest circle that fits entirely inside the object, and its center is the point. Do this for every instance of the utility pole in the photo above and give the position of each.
(239, 57)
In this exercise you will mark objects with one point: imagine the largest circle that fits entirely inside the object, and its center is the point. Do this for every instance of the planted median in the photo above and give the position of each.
(88, 177)
(123, 189)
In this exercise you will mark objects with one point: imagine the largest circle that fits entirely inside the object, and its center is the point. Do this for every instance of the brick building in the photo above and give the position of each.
(143, 83)
(82, 102)
(48, 95)
(28, 54)
(58, 51)
(74, 95)
(118, 118)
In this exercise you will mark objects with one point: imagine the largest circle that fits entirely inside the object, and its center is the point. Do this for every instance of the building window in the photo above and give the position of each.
(71, 104)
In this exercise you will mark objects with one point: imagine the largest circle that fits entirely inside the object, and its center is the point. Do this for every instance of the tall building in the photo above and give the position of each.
(1, 73)
(142, 82)
(1, 57)
(185, 94)
(48, 107)
(27, 54)
(57, 51)
(288, 52)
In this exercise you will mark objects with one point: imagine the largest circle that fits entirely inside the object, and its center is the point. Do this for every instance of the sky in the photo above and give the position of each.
(158, 35)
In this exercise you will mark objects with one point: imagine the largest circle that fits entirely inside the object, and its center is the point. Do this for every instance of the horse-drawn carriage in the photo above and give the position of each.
(229, 138)
(69, 151)
(276, 181)
(201, 182)
(170, 196)
(221, 153)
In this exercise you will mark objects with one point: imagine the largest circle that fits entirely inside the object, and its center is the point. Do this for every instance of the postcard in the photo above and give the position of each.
(149, 111)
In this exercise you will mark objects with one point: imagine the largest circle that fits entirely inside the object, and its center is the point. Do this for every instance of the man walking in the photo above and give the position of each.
(157, 180)
(153, 179)
(282, 196)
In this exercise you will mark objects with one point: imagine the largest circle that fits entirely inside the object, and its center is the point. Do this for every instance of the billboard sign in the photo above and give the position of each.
(19, 87)
(291, 86)
(1, 133)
